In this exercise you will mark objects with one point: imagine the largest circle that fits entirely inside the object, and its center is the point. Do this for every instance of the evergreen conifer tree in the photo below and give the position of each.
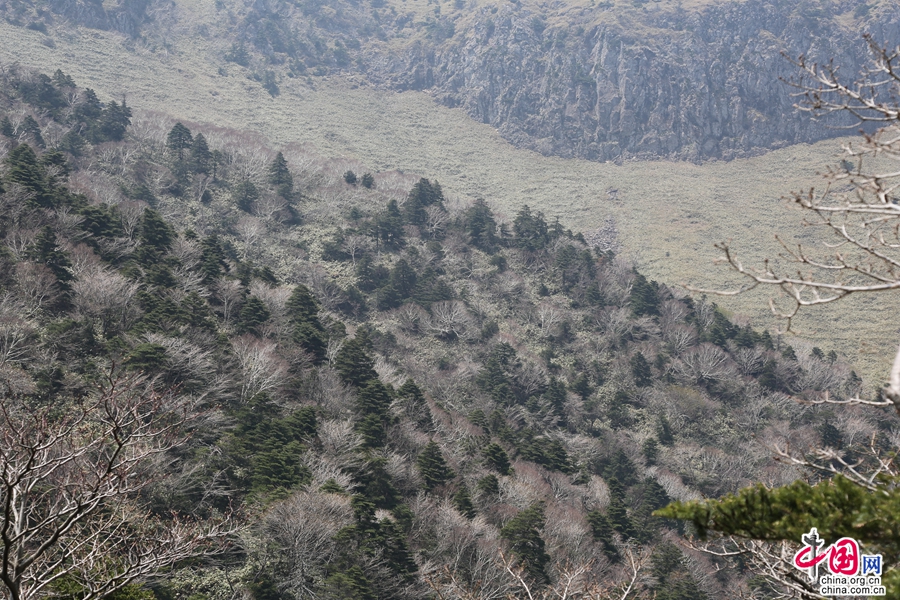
(640, 369)
(201, 157)
(488, 486)
(495, 457)
(603, 532)
(253, 314)
(480, 226)
(23, 169)
(523, 534)
(353, 364)
(280, 176)
(45, 250)
(179, 140)
(433, 467)
(644, 297)
(245, 195)
(462, 502)
(368, 181)
(6, 127)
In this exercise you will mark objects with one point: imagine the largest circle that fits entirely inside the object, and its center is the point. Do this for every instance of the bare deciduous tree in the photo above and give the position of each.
(450, 319)
(68, 485)
(262, 370)
(858, 208)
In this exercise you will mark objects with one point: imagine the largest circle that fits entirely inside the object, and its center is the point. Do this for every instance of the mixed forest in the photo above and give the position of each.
(378, 391)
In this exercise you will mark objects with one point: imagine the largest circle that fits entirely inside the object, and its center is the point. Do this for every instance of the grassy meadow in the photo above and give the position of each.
(669, 214)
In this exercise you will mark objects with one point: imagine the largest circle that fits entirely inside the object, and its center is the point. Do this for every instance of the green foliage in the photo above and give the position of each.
(178, 140)
(155, 233)
(268, 447)
(496, 458)
(674, 581)
(650, 450)
(462, 502)
(280, 176)
(351, 584)
(481, 227)
(433, 467)
(238, 54)
(640, 369)
(530, 229)
(201, 157)
(353, 363)
(244, 195)
(423, 194)
(602, 531)
(46, 250)
(523, 534)
(253, 314)
(644, 298)
(488, 486)
(387, 227)
(6, 127)
(147, 357)
(350, 177)
(22, 168)
(368, 181)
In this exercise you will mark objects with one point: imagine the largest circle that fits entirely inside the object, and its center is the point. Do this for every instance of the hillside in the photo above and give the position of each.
(395, 385)
(378, 130)
(600, 80)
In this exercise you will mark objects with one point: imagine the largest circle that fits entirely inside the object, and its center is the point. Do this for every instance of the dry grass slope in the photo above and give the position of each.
(668, 214)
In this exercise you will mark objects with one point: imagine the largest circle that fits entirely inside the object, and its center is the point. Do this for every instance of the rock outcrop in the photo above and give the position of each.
(687, 85)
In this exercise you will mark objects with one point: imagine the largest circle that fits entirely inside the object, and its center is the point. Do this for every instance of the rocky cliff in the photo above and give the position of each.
(603, 81)
(655, 82)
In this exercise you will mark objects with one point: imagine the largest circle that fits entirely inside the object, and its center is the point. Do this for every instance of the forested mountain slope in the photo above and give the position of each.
(600, 80)
(401, 391)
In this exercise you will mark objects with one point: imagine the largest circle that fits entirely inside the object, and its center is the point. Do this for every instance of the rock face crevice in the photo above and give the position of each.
(600, 82)
(698, 85)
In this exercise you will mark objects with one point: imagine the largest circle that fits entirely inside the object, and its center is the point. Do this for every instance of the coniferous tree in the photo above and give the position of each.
(462, 502)
(555, 395)
(280, 176)
(617, 511)
(481, 227)
(23, 169)
(523, 534)
(113, 122)
(6, 127)
(201, 158)
(353, 363)
(368, 181)
(495, 457)
(423, 194)
(212, 258)
(531, 230)
(62, 80)
(253, 314)
(245, 195)
(640, 369)
(179, 140)
(603, 532)
(350, 177)
(644, 297)
(155, 232)
(31, 127)
(674, 580)
(387, 227)
(433, 467)
(45, 250)
(488, 486)
(89, 109)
